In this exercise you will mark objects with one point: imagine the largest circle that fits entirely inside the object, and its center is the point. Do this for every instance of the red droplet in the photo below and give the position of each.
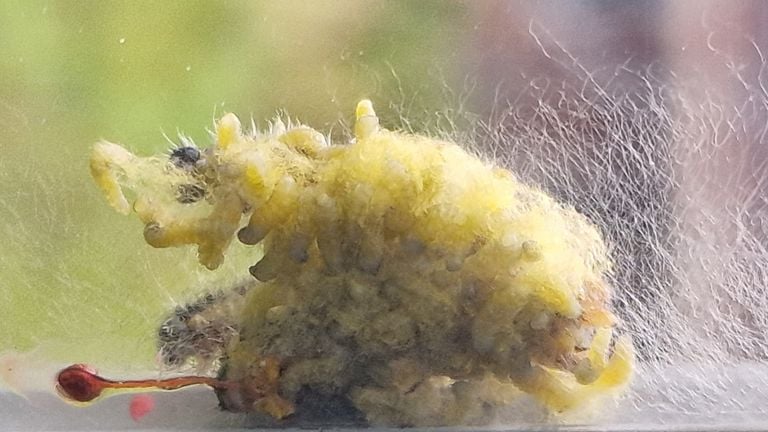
(141, 405)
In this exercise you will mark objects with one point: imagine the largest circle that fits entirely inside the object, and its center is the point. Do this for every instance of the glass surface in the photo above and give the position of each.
(648, 118)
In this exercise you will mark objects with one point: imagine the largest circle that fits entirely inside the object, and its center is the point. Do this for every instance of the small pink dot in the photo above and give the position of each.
(141, 405)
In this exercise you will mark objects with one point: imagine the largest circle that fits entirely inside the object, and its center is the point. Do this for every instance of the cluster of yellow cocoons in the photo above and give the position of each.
(422, 284)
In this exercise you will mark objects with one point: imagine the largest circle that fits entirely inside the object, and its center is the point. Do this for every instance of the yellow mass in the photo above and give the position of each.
(400, 272)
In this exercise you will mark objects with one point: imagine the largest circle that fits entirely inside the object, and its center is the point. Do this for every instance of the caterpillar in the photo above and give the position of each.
(401, 273)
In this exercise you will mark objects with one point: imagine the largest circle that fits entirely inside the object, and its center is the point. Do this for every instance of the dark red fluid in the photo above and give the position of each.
(80, 384)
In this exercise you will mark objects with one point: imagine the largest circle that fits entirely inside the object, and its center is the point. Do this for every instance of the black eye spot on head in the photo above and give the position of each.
(171, 330)
(185, 157)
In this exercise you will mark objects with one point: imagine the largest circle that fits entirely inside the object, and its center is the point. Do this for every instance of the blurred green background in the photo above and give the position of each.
(78, 282)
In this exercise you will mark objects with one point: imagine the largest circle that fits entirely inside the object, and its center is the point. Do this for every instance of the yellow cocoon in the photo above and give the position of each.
(400, 272)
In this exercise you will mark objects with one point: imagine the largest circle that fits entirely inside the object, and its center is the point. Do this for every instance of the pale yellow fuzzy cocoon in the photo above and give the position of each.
(399, 271)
